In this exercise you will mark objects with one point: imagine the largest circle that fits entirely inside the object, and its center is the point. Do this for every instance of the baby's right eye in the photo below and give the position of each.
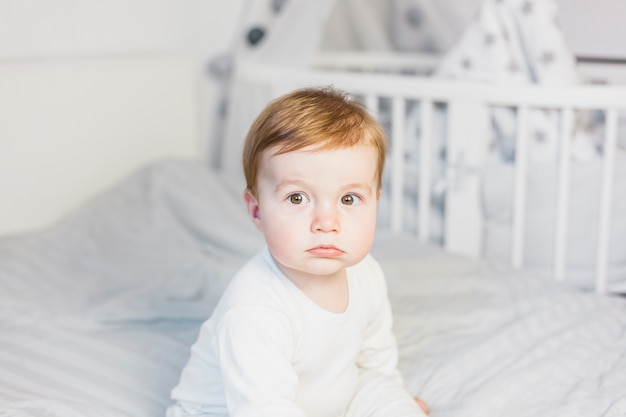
(297, 198)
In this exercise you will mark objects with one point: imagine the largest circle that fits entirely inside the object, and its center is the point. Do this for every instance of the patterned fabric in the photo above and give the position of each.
(520, 42)
(513, 41)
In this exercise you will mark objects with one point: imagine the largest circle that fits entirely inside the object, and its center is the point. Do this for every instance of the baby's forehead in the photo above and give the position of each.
(320, 146)
(328, 168)
(321, 157)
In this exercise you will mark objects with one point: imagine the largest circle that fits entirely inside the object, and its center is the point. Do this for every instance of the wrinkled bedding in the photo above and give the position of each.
(97, 313)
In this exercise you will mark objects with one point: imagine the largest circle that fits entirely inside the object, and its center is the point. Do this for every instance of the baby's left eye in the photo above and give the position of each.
(350, 199)
(297, 198)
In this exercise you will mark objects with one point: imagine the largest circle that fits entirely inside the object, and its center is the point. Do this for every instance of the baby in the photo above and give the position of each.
(305, 327)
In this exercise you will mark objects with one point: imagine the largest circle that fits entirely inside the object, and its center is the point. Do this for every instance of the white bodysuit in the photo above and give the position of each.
(269, 350)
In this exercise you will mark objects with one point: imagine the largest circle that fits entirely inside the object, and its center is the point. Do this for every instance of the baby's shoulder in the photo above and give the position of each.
(255, 286)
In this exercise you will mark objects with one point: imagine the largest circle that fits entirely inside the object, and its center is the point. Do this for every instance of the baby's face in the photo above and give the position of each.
(317, 208)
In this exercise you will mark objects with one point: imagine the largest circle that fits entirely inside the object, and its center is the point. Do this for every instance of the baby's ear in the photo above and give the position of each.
(253, 207)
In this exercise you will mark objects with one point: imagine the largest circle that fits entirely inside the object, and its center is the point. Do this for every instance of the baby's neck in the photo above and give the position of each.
(329, 292)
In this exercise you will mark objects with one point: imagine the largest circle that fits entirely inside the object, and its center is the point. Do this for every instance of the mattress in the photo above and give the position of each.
(98, 312)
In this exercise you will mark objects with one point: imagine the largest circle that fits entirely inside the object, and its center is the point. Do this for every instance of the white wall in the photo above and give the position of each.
(206, 28)
(39, 27)
(595, 29)
(42, 28)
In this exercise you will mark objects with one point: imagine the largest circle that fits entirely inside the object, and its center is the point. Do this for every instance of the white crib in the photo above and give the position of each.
(465, 130)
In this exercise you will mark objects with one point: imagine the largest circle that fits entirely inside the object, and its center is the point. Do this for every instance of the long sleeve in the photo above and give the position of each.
(255, 346)
(381, 390)
(379, 350)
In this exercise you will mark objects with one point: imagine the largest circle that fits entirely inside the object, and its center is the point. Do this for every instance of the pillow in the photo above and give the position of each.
(520, 42)
(160, 245)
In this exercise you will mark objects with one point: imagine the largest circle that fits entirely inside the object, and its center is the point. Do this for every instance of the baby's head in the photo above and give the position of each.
(317, 118)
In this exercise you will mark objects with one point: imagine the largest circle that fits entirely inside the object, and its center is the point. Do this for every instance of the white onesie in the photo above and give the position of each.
(269, 350)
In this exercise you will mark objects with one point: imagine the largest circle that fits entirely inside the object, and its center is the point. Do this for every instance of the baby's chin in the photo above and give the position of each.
(317, 268)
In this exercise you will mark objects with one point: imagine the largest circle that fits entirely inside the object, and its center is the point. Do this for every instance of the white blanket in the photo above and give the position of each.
(98, 313)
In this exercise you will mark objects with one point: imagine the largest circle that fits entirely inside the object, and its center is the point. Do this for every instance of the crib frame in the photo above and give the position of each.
(468, 117)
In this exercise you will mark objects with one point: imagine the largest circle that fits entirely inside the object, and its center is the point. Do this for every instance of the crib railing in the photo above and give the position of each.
(376, 62)
(466, 131)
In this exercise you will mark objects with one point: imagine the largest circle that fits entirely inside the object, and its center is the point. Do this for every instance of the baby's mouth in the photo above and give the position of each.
(326, 251)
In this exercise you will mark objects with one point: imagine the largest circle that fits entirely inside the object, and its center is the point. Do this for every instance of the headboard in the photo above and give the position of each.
(70, 127)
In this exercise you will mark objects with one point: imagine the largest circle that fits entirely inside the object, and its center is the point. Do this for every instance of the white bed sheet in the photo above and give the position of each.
(52, 370)
(98, 313)
(480, 339)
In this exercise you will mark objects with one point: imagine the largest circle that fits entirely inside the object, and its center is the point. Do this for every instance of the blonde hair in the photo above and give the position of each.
(322, 117)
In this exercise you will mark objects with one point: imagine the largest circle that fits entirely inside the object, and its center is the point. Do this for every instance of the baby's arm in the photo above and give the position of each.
(379, 350)
(254, 347)
(378, 361)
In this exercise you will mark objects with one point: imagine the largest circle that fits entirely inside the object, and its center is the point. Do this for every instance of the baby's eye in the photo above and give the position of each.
(350, 199)
(297, 198)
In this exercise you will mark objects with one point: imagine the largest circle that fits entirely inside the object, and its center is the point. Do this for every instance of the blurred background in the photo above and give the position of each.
(209, 29)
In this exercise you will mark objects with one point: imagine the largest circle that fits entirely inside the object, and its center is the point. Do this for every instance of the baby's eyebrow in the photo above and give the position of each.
(290, 182)
(358, 185)
(361, 187)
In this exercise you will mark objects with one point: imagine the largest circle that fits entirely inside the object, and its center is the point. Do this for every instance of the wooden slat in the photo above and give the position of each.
(604, 220)
(371, 102)
(519, 188)
(397, 162)
(425, 169)
(468, 131)
(560, 243)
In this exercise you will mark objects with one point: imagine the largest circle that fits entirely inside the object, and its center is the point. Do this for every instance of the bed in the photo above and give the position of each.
(111, 258)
